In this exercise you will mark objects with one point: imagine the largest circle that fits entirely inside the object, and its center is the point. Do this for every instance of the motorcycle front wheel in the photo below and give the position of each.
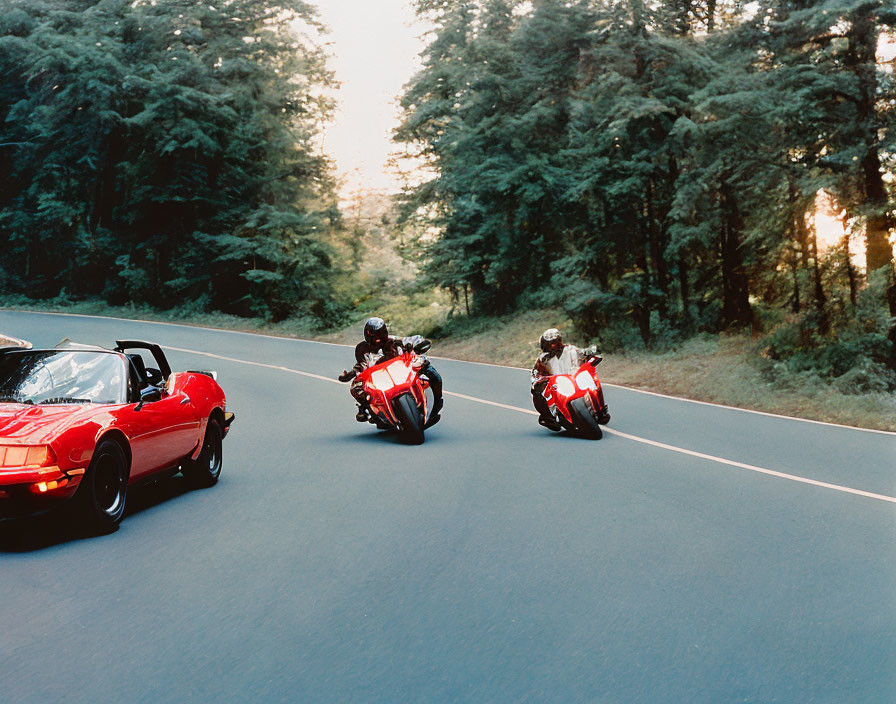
(586, 423)
(410, 418)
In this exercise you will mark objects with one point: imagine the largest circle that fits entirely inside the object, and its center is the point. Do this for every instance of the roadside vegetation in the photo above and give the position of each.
(730, 369)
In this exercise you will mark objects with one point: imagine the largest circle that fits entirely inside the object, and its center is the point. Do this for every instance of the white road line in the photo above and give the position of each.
(754, 468)
(750, 410)
(484, 364)
(254, 364)
(613, 431)
(451, 359)
(490, 403)
(691, 400)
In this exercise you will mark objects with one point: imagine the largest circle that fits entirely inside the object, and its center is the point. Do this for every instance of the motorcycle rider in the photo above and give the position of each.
(377, 346)
(557, 358)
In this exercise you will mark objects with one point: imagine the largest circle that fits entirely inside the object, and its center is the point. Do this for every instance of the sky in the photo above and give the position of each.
(374, 47)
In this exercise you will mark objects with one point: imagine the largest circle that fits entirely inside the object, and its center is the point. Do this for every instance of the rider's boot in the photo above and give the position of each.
(361, 416)
(549, 422)
(435, 416)
(604, 416)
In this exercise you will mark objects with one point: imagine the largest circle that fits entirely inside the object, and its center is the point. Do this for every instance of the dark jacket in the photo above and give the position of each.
(367, 354)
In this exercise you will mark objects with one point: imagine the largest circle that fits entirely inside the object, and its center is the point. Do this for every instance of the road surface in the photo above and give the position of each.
(703, 555)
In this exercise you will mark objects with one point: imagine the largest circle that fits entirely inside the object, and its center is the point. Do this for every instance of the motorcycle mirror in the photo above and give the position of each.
(422, 347)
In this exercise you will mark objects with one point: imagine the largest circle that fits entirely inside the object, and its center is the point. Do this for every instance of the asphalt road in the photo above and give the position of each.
(496, 563)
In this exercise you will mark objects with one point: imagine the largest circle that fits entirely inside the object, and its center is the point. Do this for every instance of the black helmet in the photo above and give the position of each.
(551, 340)
(375, 331)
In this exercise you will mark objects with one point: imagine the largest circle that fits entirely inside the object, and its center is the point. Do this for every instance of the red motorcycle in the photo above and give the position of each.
(399, 396)
(577, 400)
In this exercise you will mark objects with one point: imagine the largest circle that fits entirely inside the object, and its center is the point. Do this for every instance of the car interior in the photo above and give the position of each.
(147, 381)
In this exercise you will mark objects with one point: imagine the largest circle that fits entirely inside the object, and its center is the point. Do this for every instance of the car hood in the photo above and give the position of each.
(37, 424)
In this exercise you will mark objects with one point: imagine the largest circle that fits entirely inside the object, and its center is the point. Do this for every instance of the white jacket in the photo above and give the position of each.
(568, 362)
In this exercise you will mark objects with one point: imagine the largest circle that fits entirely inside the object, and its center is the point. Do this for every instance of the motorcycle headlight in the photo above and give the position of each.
(381, 380)
(585, 381)
(564, 386)
(399, 371)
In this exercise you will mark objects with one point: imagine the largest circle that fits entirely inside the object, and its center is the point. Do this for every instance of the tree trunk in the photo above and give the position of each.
(642, 310)
(862, 56)
(795, 266)
(878, 252)
(684, 288)
(891, 300)
(850, 270)
(736, 310)
(642, 317)
(821, 300)
(657, 251)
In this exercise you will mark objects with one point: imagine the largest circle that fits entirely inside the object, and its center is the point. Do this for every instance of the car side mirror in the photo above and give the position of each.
(423, 347)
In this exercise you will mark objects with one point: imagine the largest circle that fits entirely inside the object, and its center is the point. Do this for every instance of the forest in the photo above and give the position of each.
(653, 168)
(164, 153)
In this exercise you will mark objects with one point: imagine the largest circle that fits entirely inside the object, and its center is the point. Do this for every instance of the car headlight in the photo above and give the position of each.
(585, 381)
(564, 386)
(381, 380)
(25, 455)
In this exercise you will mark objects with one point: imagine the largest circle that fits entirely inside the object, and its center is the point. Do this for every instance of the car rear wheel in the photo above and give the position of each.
(103, 491)
(204, 471)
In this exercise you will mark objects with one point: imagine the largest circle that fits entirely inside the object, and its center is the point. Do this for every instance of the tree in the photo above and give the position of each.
(164, 153)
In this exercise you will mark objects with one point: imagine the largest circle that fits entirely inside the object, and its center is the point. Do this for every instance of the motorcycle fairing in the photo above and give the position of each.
(389, 379)
(563, 389)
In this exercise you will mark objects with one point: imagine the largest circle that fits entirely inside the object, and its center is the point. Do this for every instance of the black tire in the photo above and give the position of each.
(586, 424)
(411, 419)
(204, 471)
(101, 497)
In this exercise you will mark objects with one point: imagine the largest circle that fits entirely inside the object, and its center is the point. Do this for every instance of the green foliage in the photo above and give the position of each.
(855, 359)
(163, 153)
(649, 166)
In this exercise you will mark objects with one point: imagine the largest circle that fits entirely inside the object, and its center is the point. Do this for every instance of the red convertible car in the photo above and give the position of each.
(82, 424)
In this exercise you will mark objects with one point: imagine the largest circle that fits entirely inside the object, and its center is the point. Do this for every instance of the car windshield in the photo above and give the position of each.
(62, 376)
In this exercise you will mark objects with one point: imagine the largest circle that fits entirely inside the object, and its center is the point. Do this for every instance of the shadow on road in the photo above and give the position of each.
(565, 434)
(381, 437)
(18, 535)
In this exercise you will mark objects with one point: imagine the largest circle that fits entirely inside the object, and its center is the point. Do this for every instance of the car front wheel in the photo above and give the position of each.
(104, 488)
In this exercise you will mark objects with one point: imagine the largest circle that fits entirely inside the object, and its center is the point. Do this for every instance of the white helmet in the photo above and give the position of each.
(551, 340)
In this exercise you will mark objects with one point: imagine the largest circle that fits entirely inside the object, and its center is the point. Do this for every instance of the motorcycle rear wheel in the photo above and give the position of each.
(411, 419)
(586, 424)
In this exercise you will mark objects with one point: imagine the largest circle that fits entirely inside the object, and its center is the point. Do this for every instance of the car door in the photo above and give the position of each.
(163, 429)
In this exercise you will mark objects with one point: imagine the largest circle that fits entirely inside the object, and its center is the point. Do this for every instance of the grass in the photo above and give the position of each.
(730, 370)
(726, 369)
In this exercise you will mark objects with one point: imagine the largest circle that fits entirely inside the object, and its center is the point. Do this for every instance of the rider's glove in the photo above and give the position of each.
(347, 375)
(592, 353)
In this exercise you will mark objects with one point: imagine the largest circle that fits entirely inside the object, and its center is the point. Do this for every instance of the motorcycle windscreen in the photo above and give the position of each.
(585, 381)
(400, 372)
(381, 380)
